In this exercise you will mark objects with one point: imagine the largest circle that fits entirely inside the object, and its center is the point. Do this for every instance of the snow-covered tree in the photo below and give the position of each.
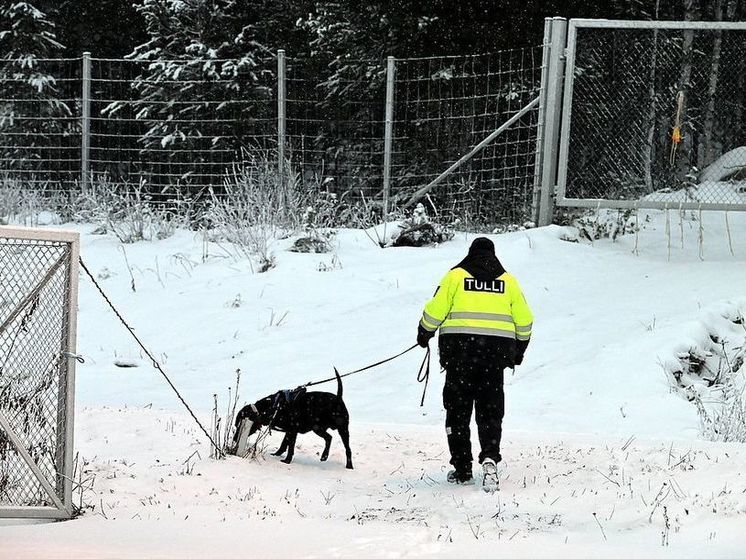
(198, 65)
(30, 97)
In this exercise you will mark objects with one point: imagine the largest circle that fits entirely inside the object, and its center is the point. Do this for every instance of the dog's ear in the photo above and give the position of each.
(250, 412)
(260, 409)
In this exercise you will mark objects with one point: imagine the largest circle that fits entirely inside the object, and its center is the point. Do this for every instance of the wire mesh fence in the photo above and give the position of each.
(40, 132)
(335, 127)
(655, 115)
(35, 377)
(174, 128)
(445, 106)
(178, 126)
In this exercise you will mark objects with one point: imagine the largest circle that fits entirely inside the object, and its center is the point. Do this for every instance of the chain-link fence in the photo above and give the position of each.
(37, 303)
(444, 107)
(655, 115)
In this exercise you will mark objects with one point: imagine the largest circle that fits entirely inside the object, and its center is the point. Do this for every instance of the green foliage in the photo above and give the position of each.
(201, 62)
(26, 33)
(30, 95)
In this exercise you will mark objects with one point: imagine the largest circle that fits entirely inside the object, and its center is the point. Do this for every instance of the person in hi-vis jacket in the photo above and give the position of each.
(485, 326)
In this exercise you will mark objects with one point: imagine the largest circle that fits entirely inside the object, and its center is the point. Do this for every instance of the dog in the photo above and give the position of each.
(297, 412)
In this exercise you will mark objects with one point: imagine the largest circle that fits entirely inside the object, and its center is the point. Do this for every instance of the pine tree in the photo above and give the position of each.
(204, 88)
(30, 95)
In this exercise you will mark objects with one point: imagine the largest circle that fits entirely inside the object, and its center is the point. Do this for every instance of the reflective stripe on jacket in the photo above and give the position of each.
(465, 305)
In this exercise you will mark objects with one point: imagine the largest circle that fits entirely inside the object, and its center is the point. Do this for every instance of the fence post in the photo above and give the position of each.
(388, 133)
(85, 124)
(553, 98)
(538, 159)
(281, 115)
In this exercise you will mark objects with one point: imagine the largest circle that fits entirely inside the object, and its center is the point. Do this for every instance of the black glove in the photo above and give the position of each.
(518, 359)
(423, 336)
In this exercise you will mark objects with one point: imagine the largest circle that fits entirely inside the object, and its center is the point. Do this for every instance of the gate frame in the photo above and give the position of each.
(561, 185)
(64, 509)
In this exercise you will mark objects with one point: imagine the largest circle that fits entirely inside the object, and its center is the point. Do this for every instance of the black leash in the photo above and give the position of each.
(423, 375)
(376, 364)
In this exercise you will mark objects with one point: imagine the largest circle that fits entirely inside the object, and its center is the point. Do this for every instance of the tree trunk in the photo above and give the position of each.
(733, 14)
(683, 161)
(652, 123)
(705, 153)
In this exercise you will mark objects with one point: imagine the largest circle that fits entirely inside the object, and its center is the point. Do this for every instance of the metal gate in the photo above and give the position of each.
(654, 115)
(38, 302)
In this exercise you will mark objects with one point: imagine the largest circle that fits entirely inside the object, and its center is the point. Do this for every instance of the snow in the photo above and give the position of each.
(708, 192)
(596, 442)
(724, 166)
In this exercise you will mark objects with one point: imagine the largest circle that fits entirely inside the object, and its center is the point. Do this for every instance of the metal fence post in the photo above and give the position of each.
(70, 341)
(53, 255)
(552, 115)
(85, 123)
(538, 159)
(281, 95)
(388, 132)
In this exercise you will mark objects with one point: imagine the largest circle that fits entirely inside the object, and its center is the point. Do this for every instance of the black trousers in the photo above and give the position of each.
(473, 384)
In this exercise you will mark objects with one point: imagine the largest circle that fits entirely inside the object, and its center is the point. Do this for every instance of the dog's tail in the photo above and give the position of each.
(339, 383)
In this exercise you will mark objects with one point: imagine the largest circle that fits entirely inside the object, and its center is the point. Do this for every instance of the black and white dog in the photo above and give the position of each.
(296, 411)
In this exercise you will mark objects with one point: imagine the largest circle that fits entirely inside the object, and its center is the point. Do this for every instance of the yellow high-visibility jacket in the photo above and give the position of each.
(465, 305)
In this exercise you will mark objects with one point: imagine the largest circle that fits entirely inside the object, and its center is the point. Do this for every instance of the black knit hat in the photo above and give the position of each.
(482, 245)
(481, 261)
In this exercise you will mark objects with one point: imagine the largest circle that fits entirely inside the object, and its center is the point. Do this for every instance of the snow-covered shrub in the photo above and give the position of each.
(255, 208)
(322, 208)
(127, 212)
(712, 376)
(723, 413)
(724, 417)
(420, 230)
(317, 236)
(313, 243)
(359, 214)
(513, 227)
(593, 225)
(18, 204)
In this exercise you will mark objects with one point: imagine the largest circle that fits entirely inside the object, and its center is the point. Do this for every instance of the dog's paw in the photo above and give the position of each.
(286, 460)
(349, 467)
(279, 452)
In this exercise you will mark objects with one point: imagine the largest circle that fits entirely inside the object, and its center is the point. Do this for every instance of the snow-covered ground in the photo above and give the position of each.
(602, 457)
